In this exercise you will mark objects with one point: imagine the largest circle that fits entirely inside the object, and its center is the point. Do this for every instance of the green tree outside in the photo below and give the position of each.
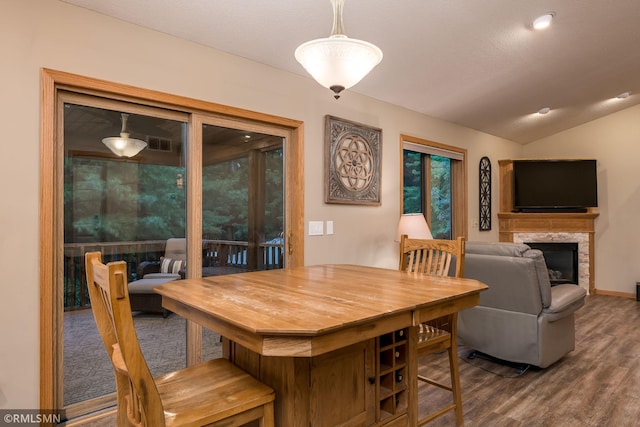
(439, 193)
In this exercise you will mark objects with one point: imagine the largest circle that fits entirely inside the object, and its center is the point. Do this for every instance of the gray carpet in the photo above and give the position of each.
(87, 369)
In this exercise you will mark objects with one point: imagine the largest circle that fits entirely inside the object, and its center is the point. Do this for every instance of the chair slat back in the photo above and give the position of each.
(432, 256)
(139, 402)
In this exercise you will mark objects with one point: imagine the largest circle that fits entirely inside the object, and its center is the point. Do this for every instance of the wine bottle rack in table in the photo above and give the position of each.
(391, 371)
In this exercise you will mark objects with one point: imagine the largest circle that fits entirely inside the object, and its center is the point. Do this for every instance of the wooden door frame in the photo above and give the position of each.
(50, 212)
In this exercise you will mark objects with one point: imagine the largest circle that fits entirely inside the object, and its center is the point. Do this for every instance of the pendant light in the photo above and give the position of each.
(338, 62)
(122, 145)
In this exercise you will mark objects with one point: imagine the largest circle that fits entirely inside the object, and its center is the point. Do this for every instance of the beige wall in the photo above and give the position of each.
(52, 34)
(615, 142)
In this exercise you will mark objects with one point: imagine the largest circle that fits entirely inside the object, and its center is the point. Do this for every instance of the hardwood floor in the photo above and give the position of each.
(596, 385)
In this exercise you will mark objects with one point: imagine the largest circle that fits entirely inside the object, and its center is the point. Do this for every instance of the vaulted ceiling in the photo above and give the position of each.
(475, 63)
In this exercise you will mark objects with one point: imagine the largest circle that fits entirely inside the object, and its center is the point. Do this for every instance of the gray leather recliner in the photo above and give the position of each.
(521, 317)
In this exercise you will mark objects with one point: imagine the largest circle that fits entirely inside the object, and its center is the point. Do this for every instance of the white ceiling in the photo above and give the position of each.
(470, 62)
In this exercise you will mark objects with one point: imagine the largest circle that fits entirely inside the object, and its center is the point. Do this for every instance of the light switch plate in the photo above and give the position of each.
(316, 228)
(329, 227)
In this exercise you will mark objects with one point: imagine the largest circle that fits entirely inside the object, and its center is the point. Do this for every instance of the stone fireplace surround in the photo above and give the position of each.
(555, 227)
(582, 239)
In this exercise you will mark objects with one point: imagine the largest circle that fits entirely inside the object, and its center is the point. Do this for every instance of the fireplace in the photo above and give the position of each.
(561, 259)
(585, 254)
(562, 227)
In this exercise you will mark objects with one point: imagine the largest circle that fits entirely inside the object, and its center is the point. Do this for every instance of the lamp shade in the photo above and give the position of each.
(124, 146)
(338, 62)
(413, 225)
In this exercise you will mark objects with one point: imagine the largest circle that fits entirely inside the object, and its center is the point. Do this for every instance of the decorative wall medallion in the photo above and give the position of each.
(352, 162)
(485, 194)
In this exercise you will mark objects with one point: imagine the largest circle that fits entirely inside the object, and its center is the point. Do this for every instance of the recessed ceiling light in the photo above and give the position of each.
(544, 110)
(543, 21)
(623, 95)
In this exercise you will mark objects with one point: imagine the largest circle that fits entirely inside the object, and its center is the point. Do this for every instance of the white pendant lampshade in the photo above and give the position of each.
(338, 62)
(122, 145)
(413, 225)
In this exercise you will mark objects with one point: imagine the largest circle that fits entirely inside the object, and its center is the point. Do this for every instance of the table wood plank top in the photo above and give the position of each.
(313, 300)
(309, 331)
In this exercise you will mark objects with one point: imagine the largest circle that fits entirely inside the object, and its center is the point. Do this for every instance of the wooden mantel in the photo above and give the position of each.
(511, 223)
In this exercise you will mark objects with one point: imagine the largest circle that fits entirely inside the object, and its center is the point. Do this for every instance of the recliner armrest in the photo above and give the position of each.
(565, 300)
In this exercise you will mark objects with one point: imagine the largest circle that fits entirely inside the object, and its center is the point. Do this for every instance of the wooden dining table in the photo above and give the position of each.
(336, 342)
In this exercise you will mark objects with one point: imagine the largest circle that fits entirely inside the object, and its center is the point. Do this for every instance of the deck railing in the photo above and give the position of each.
(215, 253)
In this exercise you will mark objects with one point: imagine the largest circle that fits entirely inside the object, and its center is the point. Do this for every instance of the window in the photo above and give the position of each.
(434, 183)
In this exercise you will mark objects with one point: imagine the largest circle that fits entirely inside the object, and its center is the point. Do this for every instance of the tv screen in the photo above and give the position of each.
(553, 185)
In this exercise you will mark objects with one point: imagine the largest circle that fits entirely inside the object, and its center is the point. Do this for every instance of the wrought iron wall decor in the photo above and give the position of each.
(352, 162)
(485, 194)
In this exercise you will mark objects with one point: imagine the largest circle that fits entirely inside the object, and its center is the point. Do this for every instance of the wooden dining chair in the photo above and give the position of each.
(440, 258)
(213, 393)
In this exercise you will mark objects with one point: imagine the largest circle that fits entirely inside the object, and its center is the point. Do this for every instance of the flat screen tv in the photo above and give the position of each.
(554, 185)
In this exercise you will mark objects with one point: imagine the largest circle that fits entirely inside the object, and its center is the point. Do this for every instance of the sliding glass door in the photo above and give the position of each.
(215, 183)
(126, 208)
(129, 207)
(242, 199)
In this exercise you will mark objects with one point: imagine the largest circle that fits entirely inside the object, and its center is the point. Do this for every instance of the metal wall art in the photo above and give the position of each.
(352, 162)
(485, 194)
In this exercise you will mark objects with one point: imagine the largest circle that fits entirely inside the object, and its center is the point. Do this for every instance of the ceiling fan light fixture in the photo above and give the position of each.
(543, 21)
(623, 95)
(544, 110)
(338, 62)
(123, 145)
